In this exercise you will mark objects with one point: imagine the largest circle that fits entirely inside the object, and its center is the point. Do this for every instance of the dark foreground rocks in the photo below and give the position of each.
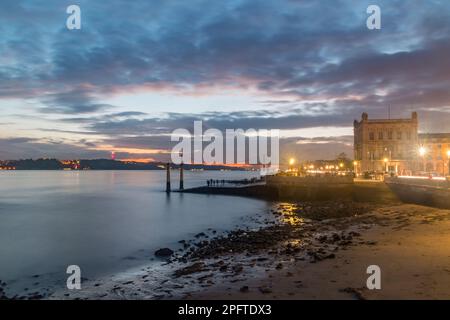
(193, 268)
(309, 231)
(2, 291)
(164, 252)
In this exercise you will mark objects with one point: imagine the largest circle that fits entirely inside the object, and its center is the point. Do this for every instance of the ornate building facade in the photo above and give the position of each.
(395, 146)
(386, 145)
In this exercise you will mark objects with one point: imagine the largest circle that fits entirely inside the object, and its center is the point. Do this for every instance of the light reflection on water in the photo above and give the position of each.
(289, 214)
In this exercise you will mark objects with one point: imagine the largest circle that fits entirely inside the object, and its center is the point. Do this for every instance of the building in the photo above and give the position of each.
(386, 145)
(394, 145)
(435, 152)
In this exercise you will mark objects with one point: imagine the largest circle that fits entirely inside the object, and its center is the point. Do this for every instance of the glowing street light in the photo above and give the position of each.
(291, 164)
(448, 164)
(422, 151)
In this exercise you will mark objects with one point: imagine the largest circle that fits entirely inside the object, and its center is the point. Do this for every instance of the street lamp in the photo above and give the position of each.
(386, 164)
(422, 153)
(291, 163)
(448, 164)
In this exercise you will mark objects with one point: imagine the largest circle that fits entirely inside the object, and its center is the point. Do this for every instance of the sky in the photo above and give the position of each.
(137, 70)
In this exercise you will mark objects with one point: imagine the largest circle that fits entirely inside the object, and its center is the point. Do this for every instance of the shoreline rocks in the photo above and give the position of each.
(164, 252)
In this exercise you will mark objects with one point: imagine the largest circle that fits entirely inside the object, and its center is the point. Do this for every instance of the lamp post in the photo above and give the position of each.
(385, 164)
(291, 163)
(387, 160)
(422, 152)
(448, 164)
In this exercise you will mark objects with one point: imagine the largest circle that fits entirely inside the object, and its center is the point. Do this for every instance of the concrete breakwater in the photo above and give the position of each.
(345, 189)
(429, 192)
(288, 188)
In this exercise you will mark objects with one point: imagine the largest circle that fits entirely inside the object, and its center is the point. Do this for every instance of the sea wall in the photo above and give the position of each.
(376, 192)
(435, 193)
(308, 180)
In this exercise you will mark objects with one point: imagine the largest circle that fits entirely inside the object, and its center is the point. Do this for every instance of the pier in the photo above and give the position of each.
(434, 192)
(305, 189)
(168, 185)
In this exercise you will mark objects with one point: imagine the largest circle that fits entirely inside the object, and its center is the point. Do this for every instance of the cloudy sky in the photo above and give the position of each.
(137, 70)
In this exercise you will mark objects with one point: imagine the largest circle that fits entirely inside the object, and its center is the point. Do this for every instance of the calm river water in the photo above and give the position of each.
(103, 221)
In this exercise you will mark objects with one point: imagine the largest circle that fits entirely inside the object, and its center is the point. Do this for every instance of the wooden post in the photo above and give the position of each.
(181, 176)
(168, 177)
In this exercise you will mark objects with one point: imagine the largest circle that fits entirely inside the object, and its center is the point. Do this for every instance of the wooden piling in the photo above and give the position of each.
(168, 177)
(181, 176)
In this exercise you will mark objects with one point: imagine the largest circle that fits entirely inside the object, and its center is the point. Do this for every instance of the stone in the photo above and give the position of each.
(196, 267)
(244, 289)
(164, 252)
(265, 290)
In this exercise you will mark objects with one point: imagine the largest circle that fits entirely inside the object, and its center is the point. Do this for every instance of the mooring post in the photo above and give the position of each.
(168, 177)
(181, 176)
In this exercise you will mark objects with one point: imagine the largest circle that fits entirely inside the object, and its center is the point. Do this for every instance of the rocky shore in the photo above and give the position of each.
(295, 254)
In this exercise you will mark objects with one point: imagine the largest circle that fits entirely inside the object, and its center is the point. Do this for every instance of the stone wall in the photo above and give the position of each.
(434, 193)
(308, 181)
(419, 182)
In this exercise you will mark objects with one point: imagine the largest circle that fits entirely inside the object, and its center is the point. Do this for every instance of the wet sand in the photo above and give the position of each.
(412, 248)
(306, 256)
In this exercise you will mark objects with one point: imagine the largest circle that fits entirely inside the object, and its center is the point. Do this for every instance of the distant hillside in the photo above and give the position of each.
(101, 164)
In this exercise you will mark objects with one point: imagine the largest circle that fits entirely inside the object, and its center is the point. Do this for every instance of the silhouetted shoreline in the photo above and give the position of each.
(102, 164)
